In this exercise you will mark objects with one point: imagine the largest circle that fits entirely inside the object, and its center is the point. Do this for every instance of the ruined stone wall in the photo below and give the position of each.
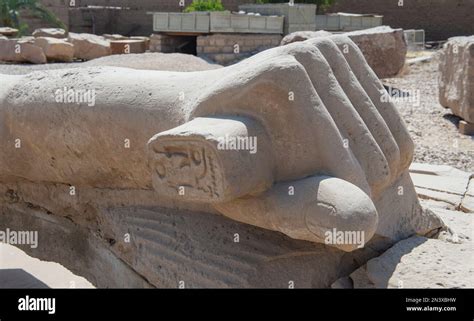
(159, 5)
(131, 19)
(441, 19)
(223, 49)
(228, 48)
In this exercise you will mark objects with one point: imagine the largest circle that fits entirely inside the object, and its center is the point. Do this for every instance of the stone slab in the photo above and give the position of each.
(452, 199)
(438, 170)
(444, 184)
(420, 262)
(451, 185)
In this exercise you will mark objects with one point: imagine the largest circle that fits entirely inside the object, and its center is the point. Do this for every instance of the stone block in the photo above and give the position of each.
(88, 46)
(456, 81)
(21, 50)
(129, 46)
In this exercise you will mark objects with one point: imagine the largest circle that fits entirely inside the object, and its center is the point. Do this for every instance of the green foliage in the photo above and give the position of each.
(321, 4)
(205, 5)
(10, 14)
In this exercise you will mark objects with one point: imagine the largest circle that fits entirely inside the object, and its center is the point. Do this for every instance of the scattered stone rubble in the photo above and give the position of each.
(52, 44)
(88, 47)
(383, 47)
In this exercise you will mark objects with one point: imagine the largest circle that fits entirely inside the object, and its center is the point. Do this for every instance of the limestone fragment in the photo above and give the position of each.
(50, 33)
(88, 47)
(456, 82)
(55, 49)
(21, 50)
(8, 32)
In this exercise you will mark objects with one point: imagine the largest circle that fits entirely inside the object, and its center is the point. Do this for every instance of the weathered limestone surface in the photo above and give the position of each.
(88, 47)
(50, 32)
(456, 82)
(384, 48)
(147, 160)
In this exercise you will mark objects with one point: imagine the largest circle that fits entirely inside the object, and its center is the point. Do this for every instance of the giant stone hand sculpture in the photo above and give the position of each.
(331, 152)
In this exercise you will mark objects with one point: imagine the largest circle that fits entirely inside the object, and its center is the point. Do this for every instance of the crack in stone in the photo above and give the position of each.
(459, 207)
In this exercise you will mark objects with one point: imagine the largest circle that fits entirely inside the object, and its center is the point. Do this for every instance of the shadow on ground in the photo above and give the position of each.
(381, 269)
(19, 279)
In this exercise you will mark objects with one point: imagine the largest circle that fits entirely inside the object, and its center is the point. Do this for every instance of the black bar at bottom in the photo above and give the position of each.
(238, 305)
